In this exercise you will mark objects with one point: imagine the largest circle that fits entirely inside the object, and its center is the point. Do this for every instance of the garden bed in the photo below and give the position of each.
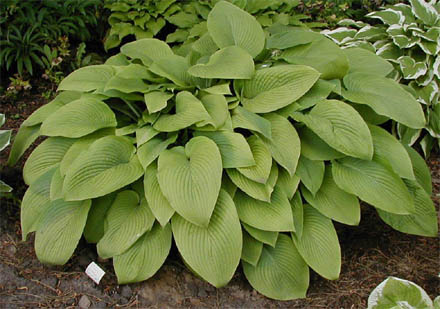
(370, 253)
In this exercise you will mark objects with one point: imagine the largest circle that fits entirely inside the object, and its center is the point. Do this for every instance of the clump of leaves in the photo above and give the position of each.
(399, 293)
(5, 137)
(185, 21)
(243, 149)
(410, 39)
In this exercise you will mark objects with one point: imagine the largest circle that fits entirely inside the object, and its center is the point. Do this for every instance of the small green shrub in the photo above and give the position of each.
(5, 136)
(399, 293)
(244, 148)
(25, 26)
(410, 39)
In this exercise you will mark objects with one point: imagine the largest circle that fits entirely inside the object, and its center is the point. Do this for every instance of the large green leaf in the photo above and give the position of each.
(230, 62)
(314, 148)
(234, 149)
(275, 216)
(291, 38)
(340, 126)
(59, 231)
(24, 138)
(288, 183)
(157, 100)
(311, 173)
(126, 85)
(319, 245)
(333, 65)
(145, 257)
(263, 161)
(281, 272)
(109, 164)
(94, 229)
(242, 118)
(266, 237)
(228, 26)
(44, 157)
(423, 222)
(88, 78)
(284, 145)
(127, 219)
(388, 150)
(276, 87)
(214, 251)
(147, 50)
(252, 188)
(385, 96)
(364, 61)
(79, 118)
(373, 183)
(217, 108)
(159, 205)
(252, 249)
(189, 110)
(48, 109)
(151, 150)
(420, 169)
(173, 67)
(333, 202)
(190, 179)
(35, 201)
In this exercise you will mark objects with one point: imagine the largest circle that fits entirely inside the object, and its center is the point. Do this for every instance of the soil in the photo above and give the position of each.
(371, 252)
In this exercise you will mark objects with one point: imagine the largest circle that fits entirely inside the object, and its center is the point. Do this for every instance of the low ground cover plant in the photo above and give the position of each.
(408, 37)
(244, 147)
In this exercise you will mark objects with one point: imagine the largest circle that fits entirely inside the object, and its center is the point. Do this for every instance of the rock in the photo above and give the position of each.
(126, 291)
(84, 302)
(100, 304)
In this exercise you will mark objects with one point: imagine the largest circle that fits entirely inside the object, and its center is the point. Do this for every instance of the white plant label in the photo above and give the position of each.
(95, 272)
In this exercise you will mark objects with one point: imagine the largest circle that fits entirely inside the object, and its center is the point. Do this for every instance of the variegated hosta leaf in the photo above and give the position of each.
(142, 260)
(59, 230)
(385, 97)
(340, 35)
(388, 16)
(319, 245)
(252, 249)
(234, 149)
(190, 179)
(44, 157)
(373, 183)
(214, 251)
(159, 205)
(340, 126)
(257, 190)
(231, 62)
(79, 118)
(412, 69)
(275, 216)
(189, 110)
(333, 202)
(425, 11)
(88, 78)
(228, 26)
(333, 65)
(147, 50)
(242, 118)
(281, 272)
(388, 150)
(128, 218)
(284, 144)
(109, 164)
(263, 161)
(424, 220)
(274, 88)
(311, 173)
(364, 61)
(35, 201)
(94, 229)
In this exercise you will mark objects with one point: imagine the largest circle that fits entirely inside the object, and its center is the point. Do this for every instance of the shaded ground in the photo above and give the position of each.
(371, 252)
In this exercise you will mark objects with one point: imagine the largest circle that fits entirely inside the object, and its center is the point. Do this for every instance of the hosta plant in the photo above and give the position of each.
(399, 293)
(5, 136)
(409, 37)
(244, 149)
(185, 21)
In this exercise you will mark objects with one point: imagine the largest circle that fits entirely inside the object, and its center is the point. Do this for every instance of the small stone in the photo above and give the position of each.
(126, 291)
(84, 302)
(100, 304)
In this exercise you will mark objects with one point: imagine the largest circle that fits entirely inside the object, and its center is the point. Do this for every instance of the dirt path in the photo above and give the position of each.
(371, 252)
